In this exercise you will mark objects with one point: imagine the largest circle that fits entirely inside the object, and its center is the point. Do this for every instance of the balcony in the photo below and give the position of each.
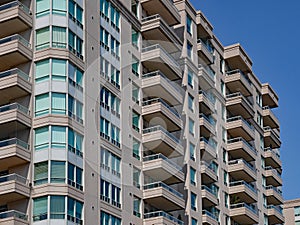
(14, 114)
(162, 196)
(14, 18)
(159, 167)
(165, 8)
(207, 125)
(244, 191)
(13, 217)
(273, 177)
(243, 213)
(208, 149)
(274, 195)
(269, 117)
(237, 81)
(238, 127)
(206, 77)
(275, 215)
(209, 196)
(205, 51)
(158, 109)
(14, 50)
(208, 173)
(237, 58)
(14, 84)
(159, 140)
(239, 169)
(237, 104)
(157, 85)
(269, 97)
(155, 58)
(161, 218)
(206, 102)
(155, 29)
(13, 187)
(272, 158)
(271, 137)
(13, 152)
(209, 218)
(239, 148)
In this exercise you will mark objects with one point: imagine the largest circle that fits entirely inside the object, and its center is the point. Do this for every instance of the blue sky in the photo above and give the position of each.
(269, 31)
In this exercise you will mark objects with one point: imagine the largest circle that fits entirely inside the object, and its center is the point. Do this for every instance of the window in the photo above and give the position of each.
(223, 112)
(75, 108)
(259, 98)
(115, 77)
(58, 103)
(104, 128)
(135, 93)
(135, 121)
(223, 88)
(192, 152)
(297, 211)
(191, 126)
(40, 208)
(59, 7)
(224, 134)
(75, 76)
(225, 156)
(115, 45)
(135, 66)
(41, 104)
(193, 176)
(226, 200)
(75, 45)
(40, 173)
(191, 102)
(42, 38)
(57, 207)
(136, 149)
(194, 221)
(189, 50)
(135, 7)
(266, 220)
(57, 173)
(75, 176)
(135, 38)
(104, 190)
(225, 177)
(42, 70)
(75, 142)
(115, 135)
(193, 201)
(59, 39)
(104, 37)
(259, 119)
(41, 138)
(58, 137)
(115, 165)
(59, 69)
(189, 24)
(262, 142)
(116, 196)
(105, 219)
(136, 206)
(74, 210)
(136, 177)
(42, 8)
(191, 79)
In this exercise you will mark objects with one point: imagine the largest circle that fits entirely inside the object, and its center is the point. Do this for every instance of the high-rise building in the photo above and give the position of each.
(291, 212)
(131, 112)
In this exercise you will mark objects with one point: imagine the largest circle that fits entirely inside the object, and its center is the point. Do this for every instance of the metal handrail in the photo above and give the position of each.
(208, 48)
(159, 100)
(277, 208)
(163, 214)
(206, 212)
(212, 143)
(210, 120)
(209, 97)
(271, 168)
(13, 141)
(13, 177)
(164, 186)
(238, 94)
(13, 213)
(275, 151)
(210, 166)
(232, 72)
(270, 187)
(213, 192)
(238, 139)
(15, 37)
(12, 106)
(13, 4)
(267, 128)
(242, 182)
(237, 161)
(160, 128)
(161, 156)
(240, 205)
(235, 118)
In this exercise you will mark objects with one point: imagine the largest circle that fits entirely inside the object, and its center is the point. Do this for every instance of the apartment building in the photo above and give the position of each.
(131, 112)
(291, 211)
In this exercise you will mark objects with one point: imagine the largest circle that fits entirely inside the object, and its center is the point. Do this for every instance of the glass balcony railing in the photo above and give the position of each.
(13, 38)
(14, 71)
(241, 182)
(159, 73)
(212, 166)
(161, 156)
(212, 143)
(210, 97)
(208, 46)
(213, 191)
(210, 214)
(240, 139)
(271, 168)
(209, 119)
(277, 208)
(13, 177)
(238, 94)
(232, 72)
(14, 141)
(13, 4)
(14, 106)
(275, 151)
(164, 186)
(245, 205)
(160, 128)
(159, 100)
(273, 131)
(163, 214)
(13, 213)
(208, 70)
(270, 187)
(236, 118)
(242, 161)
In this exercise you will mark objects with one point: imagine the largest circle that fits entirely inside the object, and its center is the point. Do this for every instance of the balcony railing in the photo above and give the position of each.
(14, 141)
(241, 205)
(161, 156)
(159, 100)
(210, 120)
(277, 208)
(275, 151)
(236, 118)
(164, 186)
(241, 182)
(208, 96)
(211, 215)
(162, 214)
(271, 168)
(270, 187)
(208, 70)
(238, 94)
(212, 143)
(238, 139)
(159, 73)
(241, 161)
(14, 71)
(212, 167)
(208, 47)
(269, 129)
(160, 128)
(210, 190)
(13, 4)
(14, 106)
(13, 177)
(13, 213)
(13, 38)
(232, 72)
